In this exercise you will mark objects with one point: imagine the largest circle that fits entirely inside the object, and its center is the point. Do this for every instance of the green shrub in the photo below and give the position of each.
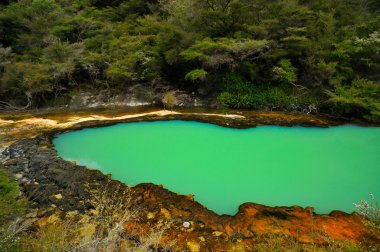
(10, 205)
(10, 208)
(239, 93)
(236, 100)
(370, 210)
(196, 74)
(362, 95)
(284, 72)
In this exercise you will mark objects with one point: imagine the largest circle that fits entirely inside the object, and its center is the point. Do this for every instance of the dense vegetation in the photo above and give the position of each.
(11, 207)
(304, 55)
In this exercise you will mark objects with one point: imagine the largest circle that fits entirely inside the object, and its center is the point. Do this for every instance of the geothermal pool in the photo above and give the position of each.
(329, 169)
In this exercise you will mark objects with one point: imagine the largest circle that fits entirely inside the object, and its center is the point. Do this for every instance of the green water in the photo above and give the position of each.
(329, 169)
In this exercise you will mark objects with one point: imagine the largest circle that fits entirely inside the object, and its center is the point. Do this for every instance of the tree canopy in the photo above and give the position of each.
(322, 54)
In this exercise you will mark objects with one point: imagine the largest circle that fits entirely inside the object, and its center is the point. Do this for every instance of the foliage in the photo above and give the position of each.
(285, 72)
(49, 238)
(290, 46)
(371, 211)
(361, 94)
(196, 74)
(10, 205)
(223, 52)
(169, 99)
(102, 230)
(237, 92)
(240, 93)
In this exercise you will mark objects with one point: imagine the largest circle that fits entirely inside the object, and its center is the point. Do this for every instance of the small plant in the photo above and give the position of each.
(100, 230)
(238, 93)
(10, 236)
(169, 100)
(49, 238)
(11, 205)
(11, 208)
(371, 211)
(196, 74)
(285, 73)
(362, 97)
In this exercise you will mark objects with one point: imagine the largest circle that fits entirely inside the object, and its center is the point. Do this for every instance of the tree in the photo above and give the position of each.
(224, 53)
(285, 73)
(28, 80)
(361, 94)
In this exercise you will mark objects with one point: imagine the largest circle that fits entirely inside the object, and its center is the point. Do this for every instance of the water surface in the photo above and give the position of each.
(329, 169)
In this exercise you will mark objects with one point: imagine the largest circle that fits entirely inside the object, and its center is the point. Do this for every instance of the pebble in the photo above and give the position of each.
(58, 196)
(18, 176)
(186, 224)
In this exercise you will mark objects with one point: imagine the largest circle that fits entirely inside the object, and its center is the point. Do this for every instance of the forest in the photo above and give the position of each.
(289, 55)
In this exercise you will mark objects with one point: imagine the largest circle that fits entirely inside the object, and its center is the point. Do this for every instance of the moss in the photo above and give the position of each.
(10, 204)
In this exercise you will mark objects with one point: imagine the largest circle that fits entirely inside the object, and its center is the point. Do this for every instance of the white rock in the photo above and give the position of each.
(18, 176)
(58, 196)
(186, 224)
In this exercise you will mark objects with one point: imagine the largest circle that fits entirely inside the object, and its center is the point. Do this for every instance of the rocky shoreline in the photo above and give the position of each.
(62, 190)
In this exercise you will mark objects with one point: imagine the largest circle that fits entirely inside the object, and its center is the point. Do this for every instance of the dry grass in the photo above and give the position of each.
(281, 242)
(371, 211)
(169, 100)
(102, 229)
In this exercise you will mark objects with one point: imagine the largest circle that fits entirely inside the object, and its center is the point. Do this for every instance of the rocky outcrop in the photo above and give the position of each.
(138, 95)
